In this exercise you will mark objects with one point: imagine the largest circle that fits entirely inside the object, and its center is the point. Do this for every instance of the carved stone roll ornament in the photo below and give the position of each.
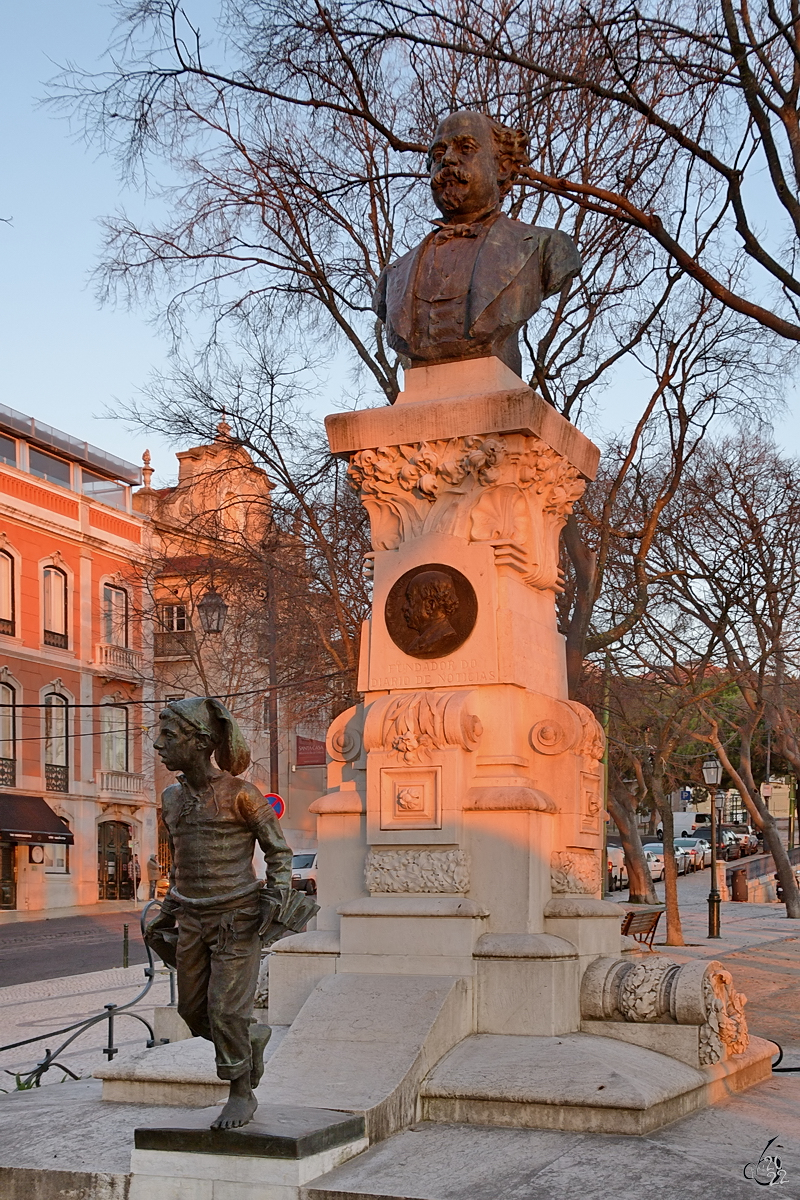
(344, 740)
(417, 871)
(659, 991)
(413, 724)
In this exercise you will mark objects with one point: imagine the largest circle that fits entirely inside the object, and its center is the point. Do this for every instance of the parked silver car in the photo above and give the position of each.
(699, 850)
(683, 858)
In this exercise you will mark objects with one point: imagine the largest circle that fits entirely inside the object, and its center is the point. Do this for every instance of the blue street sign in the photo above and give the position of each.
(277, 803)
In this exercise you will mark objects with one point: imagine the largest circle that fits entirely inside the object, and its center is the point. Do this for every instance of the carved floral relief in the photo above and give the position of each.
(418, 871)
(412, 724)
(574, 872)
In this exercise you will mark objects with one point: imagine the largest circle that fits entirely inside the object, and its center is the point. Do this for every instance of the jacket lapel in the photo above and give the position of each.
(400, 277)
(508, 246)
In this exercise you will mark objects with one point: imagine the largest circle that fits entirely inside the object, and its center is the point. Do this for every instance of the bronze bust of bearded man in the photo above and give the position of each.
(470, 286)
(217, 914)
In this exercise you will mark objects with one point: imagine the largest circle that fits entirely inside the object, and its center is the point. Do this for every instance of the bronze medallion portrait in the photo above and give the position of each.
(431, 611)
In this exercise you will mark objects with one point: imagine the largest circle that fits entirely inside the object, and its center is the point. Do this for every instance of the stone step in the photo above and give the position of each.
(579, 1082)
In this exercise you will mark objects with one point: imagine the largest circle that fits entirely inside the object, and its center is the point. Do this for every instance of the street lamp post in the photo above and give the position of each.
(712, 774)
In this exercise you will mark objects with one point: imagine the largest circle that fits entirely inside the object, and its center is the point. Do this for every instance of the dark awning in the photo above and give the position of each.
(31, 819)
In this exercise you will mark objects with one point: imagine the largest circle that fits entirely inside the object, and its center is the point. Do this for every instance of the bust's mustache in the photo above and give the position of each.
(449, 175)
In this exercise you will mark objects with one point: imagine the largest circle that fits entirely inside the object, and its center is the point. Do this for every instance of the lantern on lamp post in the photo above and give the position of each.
(712, 774)
(213, 610)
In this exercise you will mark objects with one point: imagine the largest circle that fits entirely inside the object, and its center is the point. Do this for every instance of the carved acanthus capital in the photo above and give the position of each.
(514, 491)
(412, 724)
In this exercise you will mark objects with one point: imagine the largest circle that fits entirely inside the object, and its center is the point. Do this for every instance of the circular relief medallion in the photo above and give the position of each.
(431, 611)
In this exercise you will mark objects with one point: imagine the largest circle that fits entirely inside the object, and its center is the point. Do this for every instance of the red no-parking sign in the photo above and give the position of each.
(277, 803)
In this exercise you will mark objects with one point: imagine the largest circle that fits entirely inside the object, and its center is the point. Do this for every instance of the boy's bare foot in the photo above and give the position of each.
(240, 1107)
(259, 1036)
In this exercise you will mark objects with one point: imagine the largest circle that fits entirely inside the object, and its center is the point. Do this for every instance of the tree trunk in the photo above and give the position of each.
(674, 930)
(640, 882)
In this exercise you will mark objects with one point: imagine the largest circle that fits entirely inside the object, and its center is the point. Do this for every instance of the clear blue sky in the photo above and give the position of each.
(64, 358)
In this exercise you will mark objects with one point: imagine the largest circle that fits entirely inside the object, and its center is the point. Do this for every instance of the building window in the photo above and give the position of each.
(56, 858)
(8, 450)
(114, 737)
(8, 750)
(48, 467)
(174, 618)
(115, 616)
(6, 593)
(56, 743)
(55, 608)
(107, 491)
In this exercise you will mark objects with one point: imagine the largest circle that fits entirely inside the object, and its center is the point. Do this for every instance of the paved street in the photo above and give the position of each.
(70, 945)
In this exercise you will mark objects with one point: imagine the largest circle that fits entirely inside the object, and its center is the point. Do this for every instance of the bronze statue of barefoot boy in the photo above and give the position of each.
(222, 911)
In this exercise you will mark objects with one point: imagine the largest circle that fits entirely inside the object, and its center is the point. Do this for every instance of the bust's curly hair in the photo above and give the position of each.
(511, 148)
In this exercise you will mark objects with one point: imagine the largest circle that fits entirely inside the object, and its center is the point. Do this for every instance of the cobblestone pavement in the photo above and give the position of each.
(32, 1008)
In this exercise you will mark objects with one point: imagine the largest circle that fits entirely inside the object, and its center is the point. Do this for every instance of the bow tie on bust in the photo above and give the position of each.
(451, 231)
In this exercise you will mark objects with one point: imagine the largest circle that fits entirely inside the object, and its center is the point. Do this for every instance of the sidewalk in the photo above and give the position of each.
(12, 916)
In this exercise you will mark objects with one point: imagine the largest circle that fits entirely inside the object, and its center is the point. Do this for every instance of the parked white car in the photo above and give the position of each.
(617, 870)
(304, 872)
(654, 855)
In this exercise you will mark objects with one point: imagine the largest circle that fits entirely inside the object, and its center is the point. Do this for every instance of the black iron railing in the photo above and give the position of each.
(32, 1078)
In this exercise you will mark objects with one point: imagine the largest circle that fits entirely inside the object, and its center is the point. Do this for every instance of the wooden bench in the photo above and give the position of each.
(642, 925)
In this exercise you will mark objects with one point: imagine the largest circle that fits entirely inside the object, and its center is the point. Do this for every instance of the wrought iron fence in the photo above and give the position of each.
(33, 1078)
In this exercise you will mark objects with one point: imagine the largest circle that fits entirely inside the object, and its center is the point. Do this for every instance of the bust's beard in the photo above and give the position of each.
(449, 187)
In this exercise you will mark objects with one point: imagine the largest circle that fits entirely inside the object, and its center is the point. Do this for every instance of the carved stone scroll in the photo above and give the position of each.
(657, 990)
(413, 724)
(417, 871)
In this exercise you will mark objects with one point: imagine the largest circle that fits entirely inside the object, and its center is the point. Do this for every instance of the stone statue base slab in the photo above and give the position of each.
(272, 1158)
(579, 1082)
(278, 1132)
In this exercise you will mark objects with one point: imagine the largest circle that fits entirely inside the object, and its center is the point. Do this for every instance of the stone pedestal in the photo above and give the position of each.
(465, 966)
(465, 794)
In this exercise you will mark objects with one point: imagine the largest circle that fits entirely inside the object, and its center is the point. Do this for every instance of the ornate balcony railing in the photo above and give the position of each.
(8, 772)
(174, 645)
(56, 639)
(118, 658)
(56, 778)
(127, 783)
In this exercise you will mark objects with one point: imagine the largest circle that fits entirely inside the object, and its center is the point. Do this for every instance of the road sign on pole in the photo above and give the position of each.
(277, 803)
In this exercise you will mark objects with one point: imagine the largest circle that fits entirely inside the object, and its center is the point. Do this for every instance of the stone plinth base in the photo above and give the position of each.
(579, 1082)
(269, 1159)
(364, 1044)
(182, 1074)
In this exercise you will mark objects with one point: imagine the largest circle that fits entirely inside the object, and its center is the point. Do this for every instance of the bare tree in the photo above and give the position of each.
(298, 139)
(711, 87)
(732, 564)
